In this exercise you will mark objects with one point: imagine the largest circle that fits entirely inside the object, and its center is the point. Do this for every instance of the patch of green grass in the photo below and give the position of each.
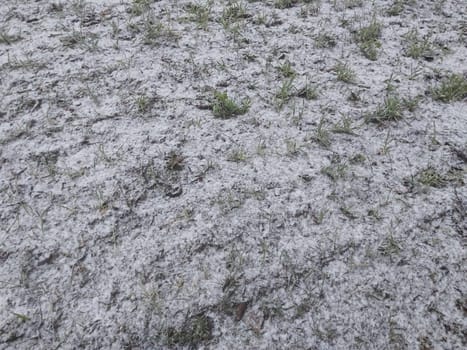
(297, 114)
(390, 86)
(431, 177)
(344, 73)
(322, 135)
(341, 5)
(139, 7)
(392, 109)
(83, 40)
(351, 4)
(368, 39)
(411, 103)
(370, 49)
(234, 12)
(371, 32)
(199, 13)
(348, 213)
(415, 46)
(374, 213)
(286, 70)
(115, 29)
(261, 148)
(390, 246)
(310, 9)
(21, 317)
(79, 7)
(386, 148)
(155, 32)
(285, 93)
(396, 8)
(319, 216)
(194, 331)
(309, 92)
(354, 97)
(335, 171)
(344, 126)
(284, 4)
(237, 155)
(224, 107)
(235, 31)
(358, 159)
(174, 161)
(293, 148)
(452, 88)
(325, 41)
(142, 103)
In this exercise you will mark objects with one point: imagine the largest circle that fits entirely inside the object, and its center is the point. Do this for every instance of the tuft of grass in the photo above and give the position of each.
(325, 41)
(344, 127)
(297, 114)
(199, 13)
(370, 49)
(234, 12)
(348, 213)
(392, 109)
(261, 148)
(351, 4)
(238, 155)
(431, 177)
(390, 246)
(411, 103)
(335, 171)
(385, 149)
(285, 4)
(396, 8)
(416, 47)
(56, 7)
(285, 93)
(358, 159)
(368, 39)
(371, 32)
(293, 148)
(155, 32)
(309, 92)
(174, 161)
(287, 70)
(139, 7)
(193, 332)
(310, 9)
(452, 88)
(83, 40)
(318, 216)
(224, 107)
(142, 103)
(322, 135)
(344, 73)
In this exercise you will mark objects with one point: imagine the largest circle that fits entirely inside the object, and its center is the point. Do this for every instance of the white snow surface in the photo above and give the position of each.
(100, 250)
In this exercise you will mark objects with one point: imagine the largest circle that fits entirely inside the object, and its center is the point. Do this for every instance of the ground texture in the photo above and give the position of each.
(278, 174)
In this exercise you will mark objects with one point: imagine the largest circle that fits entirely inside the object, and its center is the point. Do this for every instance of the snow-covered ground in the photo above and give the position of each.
(277, 174)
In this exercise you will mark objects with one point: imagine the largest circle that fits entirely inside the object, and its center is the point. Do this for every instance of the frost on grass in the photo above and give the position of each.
(224, 107)
(232, 174)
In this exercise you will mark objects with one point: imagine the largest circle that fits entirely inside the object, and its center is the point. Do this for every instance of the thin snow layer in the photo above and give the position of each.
(132, 218)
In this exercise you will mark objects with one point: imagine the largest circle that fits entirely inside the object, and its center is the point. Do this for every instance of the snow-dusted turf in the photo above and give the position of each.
(278, 174)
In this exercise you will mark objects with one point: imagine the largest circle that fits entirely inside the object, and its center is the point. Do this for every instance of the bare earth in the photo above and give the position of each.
(277, 174)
